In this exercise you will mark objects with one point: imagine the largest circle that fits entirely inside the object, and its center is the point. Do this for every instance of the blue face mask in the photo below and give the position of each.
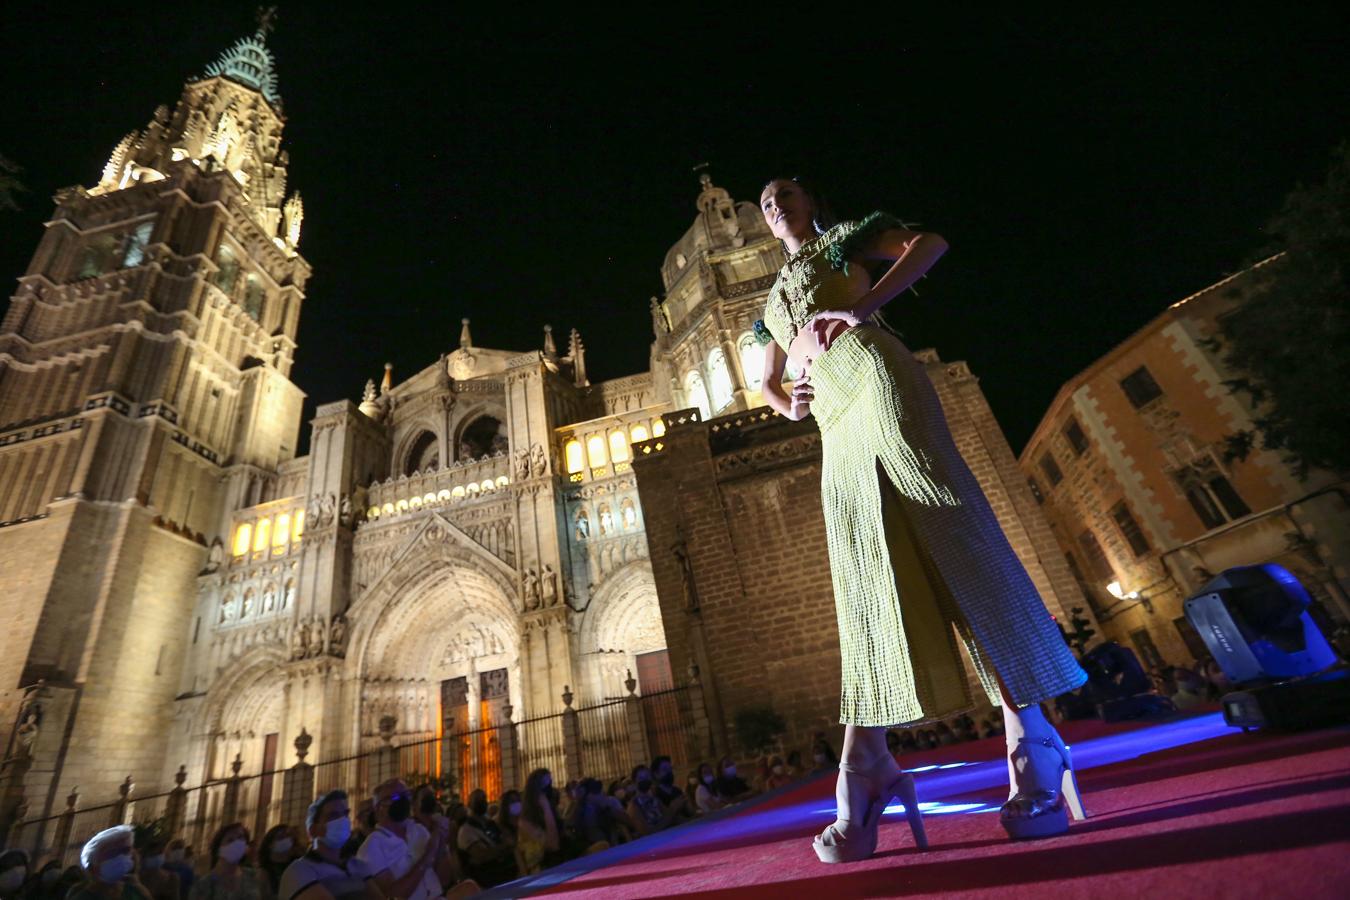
(111, 871)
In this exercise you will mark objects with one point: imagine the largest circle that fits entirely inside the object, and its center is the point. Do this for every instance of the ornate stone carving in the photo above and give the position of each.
(317, 631)
(337, 637)
(299, 640)
(215, 557)
(549, 587)
(538, 461)
(522, 465)
(530, 582)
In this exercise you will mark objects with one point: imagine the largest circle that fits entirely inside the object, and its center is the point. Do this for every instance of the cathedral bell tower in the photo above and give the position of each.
(145, 392)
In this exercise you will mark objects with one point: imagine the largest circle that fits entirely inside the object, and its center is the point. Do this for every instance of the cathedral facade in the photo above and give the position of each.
(459, 548)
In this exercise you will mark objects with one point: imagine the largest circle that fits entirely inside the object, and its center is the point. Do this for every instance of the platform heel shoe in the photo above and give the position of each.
(834, 846)
(1047, 790)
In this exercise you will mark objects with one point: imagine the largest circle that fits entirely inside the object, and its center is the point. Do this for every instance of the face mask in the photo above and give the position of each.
(153, 862)
(49, 877)
(820, 757)
(176, 855)
(400, 809)
(111, 871)
(12, 879)
(778, 770)
(281, 849)
(514, 809)
(234, 851)
(731, 771)
(336, 833)
(707, 779)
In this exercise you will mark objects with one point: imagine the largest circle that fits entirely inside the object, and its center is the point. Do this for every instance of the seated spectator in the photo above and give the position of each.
(176, 860)
(429, 816)
(508, 817)
(538, 832)
(400, 855)
(671, 797)
(488, 859)
(13, 873)
(322, 873)
(646, 811)
(1190, 691)
(1217, 683)
(778, 776)
(794, 764)
(602, 821)
(276, 852)
(706, 797)
(822, 754)
(109, 868)
(71, 878)
(162, 883)
(945, 736)
(42, 885)
(732, 788)
(964, 726)
(227, 878)
(908, 743)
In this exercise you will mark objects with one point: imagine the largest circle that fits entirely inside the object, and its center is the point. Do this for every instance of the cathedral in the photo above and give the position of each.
(459, 548)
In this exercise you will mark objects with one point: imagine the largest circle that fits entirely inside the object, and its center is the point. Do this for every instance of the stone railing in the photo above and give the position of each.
(460, 483)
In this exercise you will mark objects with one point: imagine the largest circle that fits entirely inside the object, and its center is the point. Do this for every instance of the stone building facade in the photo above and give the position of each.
(1129, 464)
(463, 546)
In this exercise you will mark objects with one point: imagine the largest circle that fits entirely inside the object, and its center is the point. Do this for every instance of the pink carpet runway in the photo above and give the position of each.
(1183, 808)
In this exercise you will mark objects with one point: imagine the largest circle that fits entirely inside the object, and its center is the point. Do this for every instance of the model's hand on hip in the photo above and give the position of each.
(826, 326)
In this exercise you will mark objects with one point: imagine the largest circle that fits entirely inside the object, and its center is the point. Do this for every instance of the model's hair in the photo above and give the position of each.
(824, 217)
(533, 798)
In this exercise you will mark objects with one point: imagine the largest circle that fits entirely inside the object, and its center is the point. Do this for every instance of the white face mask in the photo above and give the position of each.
(731, 771)
(111, 871)
(12, 879)
(514, 809)
(707, 779)
(234, 851)
(281, 849)
(820, 757)
(153, 862)
(336, 833)
(778, 770)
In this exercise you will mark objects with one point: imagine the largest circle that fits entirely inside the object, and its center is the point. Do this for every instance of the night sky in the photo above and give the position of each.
(1086, 172)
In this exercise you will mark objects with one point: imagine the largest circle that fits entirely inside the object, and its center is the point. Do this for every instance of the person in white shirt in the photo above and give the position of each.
(401, 854)
(321, 874)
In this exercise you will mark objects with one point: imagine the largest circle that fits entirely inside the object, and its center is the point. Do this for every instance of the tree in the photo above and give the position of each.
(1082, 630)
(9, 183)
(1290, 334)
(758, 727)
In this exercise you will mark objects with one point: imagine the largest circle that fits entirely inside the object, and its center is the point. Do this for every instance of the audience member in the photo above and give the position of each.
(13, 873)
(228, 879)
(823, 756)
(71, 878)
(508, 818)
(602, 821)
(176, 861)
(706, 797)
(893, 742)
(1190, 691)
(275, 853)
(109, 868)
(322, 873)
(162, 883)
(488, 859)
(945, 736)
(42, 885)
(428, 814)
(400, 854)
(778, 776)
(671, 797)
(646, 811)
(537, 829)
(732, 788)
(794, 764)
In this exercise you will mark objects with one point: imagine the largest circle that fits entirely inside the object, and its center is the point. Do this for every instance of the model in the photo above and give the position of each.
(916, 554)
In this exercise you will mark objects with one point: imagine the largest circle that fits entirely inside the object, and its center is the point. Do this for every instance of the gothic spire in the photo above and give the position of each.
(465, 339)
(550, 348)
(250, 63)
(577, 352)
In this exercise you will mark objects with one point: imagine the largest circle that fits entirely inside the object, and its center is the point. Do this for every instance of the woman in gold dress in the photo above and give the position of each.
(916, 554)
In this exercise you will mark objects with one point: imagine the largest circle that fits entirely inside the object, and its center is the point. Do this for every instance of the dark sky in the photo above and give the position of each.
(1086, 172)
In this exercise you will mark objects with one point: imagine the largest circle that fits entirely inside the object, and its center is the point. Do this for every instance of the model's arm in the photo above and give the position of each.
(911, 254)
(796, 405)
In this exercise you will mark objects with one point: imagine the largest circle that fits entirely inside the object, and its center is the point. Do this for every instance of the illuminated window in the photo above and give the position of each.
(752, 360)
(429, 498)
(242, 535)
(659, 428)
(136, 244)
(457, 493)
(696, 395)
(639, 433)
(443, 495)
(373, 512)
(488, 485)
(618, 446)
(719, 378)
(595, 450)
(261, 534)
(472, 489)
(297, 525)
(401, 506)
(415, 503)
(283, 530)
(502, 481)
(227, 271)
(253, 297)
(387, 509)
(575, 463)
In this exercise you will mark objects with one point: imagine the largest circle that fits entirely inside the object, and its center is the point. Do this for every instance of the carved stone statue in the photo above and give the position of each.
(538, 460)
(522, 465)
(345, 511)
(316, 636)
(550, 586)
(327, 508)
(28, 731)
(681, 552)
(337, 637)
(583, 526)
(606, 520)
(215, 557)
(531, 589)
(299, 640)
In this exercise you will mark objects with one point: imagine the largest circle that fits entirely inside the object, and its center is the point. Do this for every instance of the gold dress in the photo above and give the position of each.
(916, 554)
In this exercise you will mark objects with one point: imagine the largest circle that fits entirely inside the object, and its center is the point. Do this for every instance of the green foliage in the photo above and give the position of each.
(1290, 335)
(9, 183)
(151, 833)
(758, 728)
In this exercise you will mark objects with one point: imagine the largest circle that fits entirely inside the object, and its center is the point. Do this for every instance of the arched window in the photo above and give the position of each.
(658, 427)
(423, 455)
(696, 395)
(297, 525)
(282, 533)
(752, 360)
(137, 241)
(242, 535)
(227, 268)
(618, 446)
(484, 436)
(575, 462)
(261, 534)
(639, 433)
(719, 378)
(595, 450)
